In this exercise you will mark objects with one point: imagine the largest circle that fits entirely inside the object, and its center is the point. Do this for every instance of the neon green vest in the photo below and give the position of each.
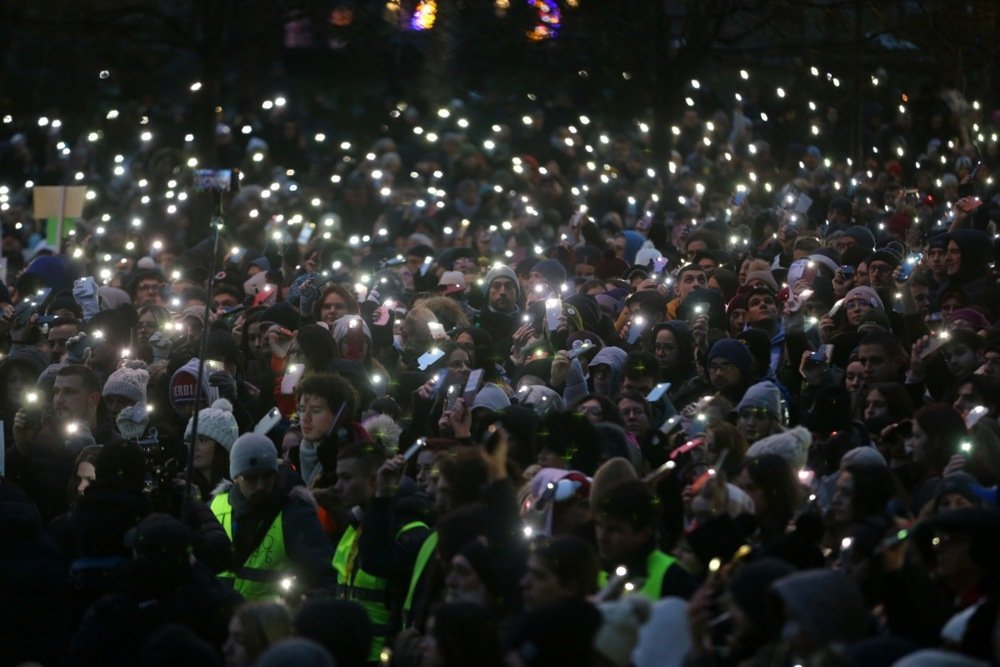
(353, 583)
(657, 564)
(260, 576)
(423, 557)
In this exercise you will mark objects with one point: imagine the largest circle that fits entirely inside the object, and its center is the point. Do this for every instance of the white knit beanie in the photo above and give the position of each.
(216, 422)
(129, 381)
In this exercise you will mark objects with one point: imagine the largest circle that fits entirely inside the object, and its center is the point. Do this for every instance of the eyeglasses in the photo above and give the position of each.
(593, 410)
(721, 367)
(760, 414)
(879, 268)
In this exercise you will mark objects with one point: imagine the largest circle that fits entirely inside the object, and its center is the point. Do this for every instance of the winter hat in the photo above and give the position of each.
(825, 261)
(827, 605)
(733, 351)
(491, 396)
(864, 456)
(160, 538)
(295, 651)
(960, 483)
(183, 386)
(619, 631)
(216, 422)
(865, 294)
(111, 298)
(749, 585)
(611, 473)
(283, 314)
(862, 235)
(452, 282)
(342, 626)
(762, 395)
(647, 254)
(129, 381)
(610, 267)
(972, 316)
(132, 421)
(792, 445)
(384, 429)
(481, 560)
(341, 327)
(765, 277)
(540, 398)
(553, 272)
(252, 452)
(503, 271)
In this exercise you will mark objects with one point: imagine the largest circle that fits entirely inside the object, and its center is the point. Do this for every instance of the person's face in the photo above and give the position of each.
(503, 293)
(71, 401)
(233, 650)
(636, 421)
(601, 375)
(466, 342)
(921, 295)
(737, 320)
(757, 494)
(592, 410)
(204, 452)
(149, 291)
(618, 541)
(116, 403)
(952, 259)
(966, 399)
(952, 501)
(843, 243)
(540, 587)
(875, 364)
(761, 308)
(315, 417)
(856, 309)
(642, 384)
(333, 308)
(949, 306)
(876, 406)
(57, 340)
(724, 374)
(19, 379)
(85, 473)
(463, 584)
(665, 349)
(620, 246)
(936, 260)
(842, 284)
(145, 328)
(224, 301)
(861, 275)
(960, 359)
(754, 423)
(918, 443)
(854, 377)
(256, 486)
(953, 558)
(425, 470)
(694, 247)
(255, 341)
(842, 498)
(459, 365)
(880, 274)
(354, 486)
(690, 281)
(991, 364)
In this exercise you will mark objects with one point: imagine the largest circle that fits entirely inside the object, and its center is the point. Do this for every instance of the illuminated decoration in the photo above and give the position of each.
(549, 20)
(424, 15)
(501, 7)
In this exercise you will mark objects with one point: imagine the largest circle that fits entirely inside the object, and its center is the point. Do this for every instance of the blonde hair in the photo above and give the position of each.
(264, 623)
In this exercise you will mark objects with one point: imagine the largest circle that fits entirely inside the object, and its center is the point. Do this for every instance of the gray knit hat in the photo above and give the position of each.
(216, 422)
(129, 381)
(250, 453)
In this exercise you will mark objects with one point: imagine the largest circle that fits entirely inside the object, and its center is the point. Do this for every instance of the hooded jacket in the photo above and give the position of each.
(973, 276)
(615, 358)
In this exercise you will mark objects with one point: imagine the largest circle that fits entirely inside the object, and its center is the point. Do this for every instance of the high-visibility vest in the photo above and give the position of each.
(657, 564)
(259, 577)
(423, 557)
(370, 591)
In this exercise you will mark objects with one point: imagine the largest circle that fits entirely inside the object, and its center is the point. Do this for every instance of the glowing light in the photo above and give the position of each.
(424, 15)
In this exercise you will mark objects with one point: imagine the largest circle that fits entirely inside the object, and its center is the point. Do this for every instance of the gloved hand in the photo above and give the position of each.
(160, 344)
(226, 385)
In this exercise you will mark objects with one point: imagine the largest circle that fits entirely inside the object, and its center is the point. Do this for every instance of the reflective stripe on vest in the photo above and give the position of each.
(423, 557)
(259, 576)
(657, 564)
(353, 583)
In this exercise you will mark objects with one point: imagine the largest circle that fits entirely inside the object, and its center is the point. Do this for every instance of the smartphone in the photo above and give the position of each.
(847, 270)
(687, 447)
(820, 356)
(354, 341)
(637, 326)
(935, 344)
(473, 386)
(553, 309)
(29, 306)
(291, 378)
(909, 264)
(428, 358)
(306, 233)
(584, 346)
(414, 449)
(659, 264)
(974, 415)
(452, 396)
(268, 422)
(657, 392)
(836, 307)
(437, 330)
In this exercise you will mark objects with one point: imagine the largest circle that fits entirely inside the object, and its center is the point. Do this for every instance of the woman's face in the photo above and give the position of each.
(463, 584)
(854, 376)
(919, 442)
(459, 365)
(465, 342)
(749, 487)
(233, 650)
(843, 496)
(754, 424)
(333, 308)
(145, 328)
(85, 473)
(856, 309)
(593, 411)
(425, 470)
(876, 405)
(204, 453)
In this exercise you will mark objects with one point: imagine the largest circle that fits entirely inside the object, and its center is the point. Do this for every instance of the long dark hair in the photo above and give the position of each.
(772, 474)
(466, 634)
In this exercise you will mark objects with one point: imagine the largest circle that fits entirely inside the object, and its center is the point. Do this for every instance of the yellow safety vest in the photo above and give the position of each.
(260, 576)
(370, 591)
(423, 557)
(657, 564)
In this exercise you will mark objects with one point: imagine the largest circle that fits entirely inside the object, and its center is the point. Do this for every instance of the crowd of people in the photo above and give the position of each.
(520, 390)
